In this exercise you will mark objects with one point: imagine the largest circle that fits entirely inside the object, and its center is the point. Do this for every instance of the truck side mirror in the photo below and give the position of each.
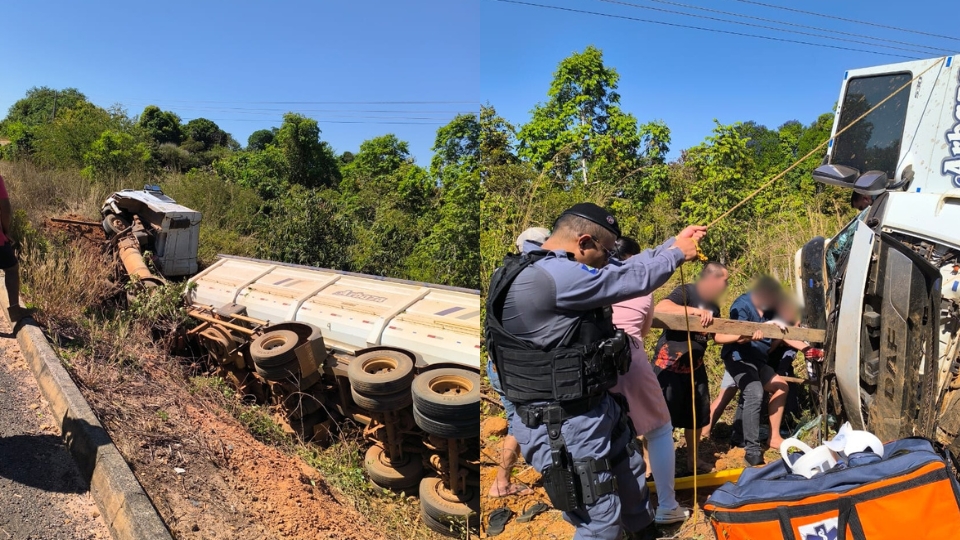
(871, 183)
(836, 175)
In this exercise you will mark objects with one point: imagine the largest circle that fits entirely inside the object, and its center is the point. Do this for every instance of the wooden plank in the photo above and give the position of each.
(674, 321)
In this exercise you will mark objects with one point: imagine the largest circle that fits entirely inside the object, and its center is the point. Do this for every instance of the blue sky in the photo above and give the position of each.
(688, 77)
(222, 60)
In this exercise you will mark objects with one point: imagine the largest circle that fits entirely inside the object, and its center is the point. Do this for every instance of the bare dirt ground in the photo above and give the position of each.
(42, 495)
(550, 525)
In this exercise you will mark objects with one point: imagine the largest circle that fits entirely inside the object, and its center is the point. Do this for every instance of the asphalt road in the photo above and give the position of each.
(42, 495)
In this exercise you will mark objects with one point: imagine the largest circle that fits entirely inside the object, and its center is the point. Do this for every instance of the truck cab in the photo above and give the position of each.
(885, 287)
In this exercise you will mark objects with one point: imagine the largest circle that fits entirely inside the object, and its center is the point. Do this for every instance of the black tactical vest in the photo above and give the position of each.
(585, 364)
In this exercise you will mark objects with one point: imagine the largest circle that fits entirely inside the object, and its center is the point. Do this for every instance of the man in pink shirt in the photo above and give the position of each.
(8, 259)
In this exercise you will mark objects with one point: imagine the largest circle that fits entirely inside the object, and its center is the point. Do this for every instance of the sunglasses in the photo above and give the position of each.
(611, 253)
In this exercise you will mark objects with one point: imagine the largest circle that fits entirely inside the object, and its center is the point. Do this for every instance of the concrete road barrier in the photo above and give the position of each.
(126, 509)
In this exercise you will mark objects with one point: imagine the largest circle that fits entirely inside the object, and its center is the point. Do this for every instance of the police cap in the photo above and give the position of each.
(594, 213)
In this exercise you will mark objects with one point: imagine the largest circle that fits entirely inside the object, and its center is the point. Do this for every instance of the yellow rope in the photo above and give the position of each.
(702, 257)
(693, 389)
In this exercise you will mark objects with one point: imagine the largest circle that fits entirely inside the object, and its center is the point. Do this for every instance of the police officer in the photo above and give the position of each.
(549, 332)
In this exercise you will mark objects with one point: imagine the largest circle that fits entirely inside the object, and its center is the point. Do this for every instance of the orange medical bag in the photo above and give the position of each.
(910, 494)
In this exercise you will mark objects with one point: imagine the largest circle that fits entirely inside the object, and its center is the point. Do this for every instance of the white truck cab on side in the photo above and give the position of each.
(886, 286)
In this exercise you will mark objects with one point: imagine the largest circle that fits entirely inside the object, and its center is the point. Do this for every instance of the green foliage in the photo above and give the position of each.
(161, 126)
(21, 141)
(580, 134)
(287, 197)
(310, 161)
(37, 107)
(451, 252)
(265, 171)
(158, 307)
(259, 139)
(63, 142)
(201, 134)
(115, 154)
(306, 231)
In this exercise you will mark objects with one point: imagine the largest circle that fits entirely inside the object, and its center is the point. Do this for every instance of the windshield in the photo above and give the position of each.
(838, 246)
(873, 144)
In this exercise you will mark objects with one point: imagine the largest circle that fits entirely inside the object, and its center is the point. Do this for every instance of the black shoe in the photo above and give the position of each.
(754, 458)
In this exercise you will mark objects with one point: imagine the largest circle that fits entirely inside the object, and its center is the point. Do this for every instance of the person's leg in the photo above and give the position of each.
(777, 388)
(718, 407)
(503, 485)
(633, 496)
(510, 449)
(591, 435)
(662, 464)
(11, 280)
(748, 380)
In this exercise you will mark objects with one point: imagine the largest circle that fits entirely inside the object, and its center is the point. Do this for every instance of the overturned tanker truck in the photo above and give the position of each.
(320, 346)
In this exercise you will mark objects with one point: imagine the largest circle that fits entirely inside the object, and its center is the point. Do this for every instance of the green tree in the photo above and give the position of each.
(161, 126)
(37, 107)
(308, 231)
(265, 171)
(310, 161)
(259, 139)
(201, 134)
(389, 202)
(580, 133)
(450, 254)
(115, 154)
(63, 142)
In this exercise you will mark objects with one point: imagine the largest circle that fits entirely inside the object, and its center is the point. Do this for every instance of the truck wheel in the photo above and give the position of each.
(447, 393)
(449, 429)
(283, 372)
(449, 514)
(304, 331)
(389, 476)
(113, 225)
(274, 348)
(381, 373)
(390, 402)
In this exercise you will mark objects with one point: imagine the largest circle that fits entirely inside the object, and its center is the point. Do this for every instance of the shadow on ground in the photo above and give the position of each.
(39, 461)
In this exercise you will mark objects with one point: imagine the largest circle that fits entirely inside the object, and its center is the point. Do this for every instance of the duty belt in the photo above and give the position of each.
(534, 416)
(574, 483)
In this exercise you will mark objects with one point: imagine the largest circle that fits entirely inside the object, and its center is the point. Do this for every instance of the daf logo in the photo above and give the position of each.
(951, 165)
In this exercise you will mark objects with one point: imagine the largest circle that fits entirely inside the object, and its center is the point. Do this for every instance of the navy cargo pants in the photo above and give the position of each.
(587, 436)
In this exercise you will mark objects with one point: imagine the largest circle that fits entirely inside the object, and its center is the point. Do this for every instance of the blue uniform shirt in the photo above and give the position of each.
(742, 309)
(547, 299)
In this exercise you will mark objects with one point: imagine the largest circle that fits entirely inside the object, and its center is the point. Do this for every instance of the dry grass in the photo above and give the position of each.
(45, 193)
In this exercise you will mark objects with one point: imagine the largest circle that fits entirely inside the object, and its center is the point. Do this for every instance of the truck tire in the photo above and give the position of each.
(386, 403)
(380, 373)
(449, 515)
(389, 476)
(304, 331)
(284, 372)
(446, 428)
(274, 348)
(447, 393)
(113, 225)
